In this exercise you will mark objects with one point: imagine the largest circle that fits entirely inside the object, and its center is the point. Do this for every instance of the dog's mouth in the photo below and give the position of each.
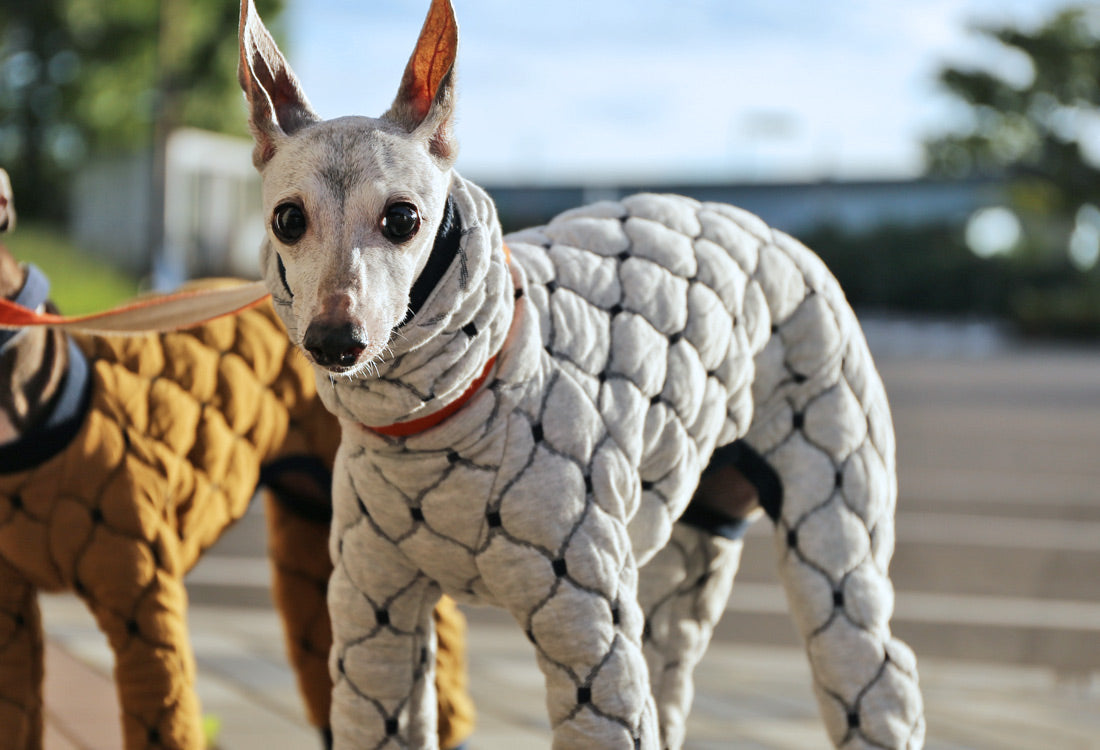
(348, 371)
(337, 369)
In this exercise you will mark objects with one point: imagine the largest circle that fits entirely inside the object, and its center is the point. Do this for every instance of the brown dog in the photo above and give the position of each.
(121, 461)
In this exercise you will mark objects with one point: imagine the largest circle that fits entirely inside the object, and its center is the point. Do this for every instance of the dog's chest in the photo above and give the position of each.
(429, 501)
(544, 488)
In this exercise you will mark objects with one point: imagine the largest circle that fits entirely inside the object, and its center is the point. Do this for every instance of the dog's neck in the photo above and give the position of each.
(457, 325)
(33, 363)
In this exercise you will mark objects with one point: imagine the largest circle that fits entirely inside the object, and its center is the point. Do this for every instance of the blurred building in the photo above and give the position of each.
(213, 224)
(795, 207)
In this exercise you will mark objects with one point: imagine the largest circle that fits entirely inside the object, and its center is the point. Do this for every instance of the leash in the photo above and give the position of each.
(172, 312)
(166, 312)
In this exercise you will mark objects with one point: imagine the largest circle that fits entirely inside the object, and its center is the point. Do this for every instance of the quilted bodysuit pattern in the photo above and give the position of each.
(638, 336)
(167, 457)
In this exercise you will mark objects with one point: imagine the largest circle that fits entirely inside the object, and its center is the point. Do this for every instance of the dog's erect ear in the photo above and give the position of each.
(277, 105)
(7, 209)
(426, 97)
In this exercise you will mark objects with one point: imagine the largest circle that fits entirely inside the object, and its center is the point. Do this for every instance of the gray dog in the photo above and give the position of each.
(574, 424)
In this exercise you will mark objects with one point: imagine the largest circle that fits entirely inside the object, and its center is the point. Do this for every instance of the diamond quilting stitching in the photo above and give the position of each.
(667, 327)
(166, 458)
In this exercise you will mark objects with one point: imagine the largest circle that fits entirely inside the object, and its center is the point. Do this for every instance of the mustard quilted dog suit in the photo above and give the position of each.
(155, 448)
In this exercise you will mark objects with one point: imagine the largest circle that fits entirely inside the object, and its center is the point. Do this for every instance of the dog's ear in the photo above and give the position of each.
(425, 101)
(7, 209)
(277, 105)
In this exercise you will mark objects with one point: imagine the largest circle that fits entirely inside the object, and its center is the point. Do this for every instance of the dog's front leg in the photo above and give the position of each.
(20, 662)
(383, 654)
(135, 592)
(576, 599)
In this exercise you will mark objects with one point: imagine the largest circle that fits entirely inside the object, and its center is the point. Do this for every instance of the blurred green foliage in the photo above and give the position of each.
(1033, 120)
(929, 270)
(918, 269)
(86, 77)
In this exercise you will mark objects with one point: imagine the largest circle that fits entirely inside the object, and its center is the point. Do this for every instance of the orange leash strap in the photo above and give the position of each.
(168, 312)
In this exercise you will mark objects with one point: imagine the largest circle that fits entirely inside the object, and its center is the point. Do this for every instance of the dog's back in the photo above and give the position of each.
(747, 319)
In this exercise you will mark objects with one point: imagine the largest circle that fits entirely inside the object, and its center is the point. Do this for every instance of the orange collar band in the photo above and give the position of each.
(414, 426)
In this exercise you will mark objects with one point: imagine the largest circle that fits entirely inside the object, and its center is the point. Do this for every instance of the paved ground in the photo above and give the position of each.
(998, 548)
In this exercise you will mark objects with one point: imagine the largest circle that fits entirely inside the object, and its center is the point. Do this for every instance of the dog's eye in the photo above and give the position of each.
(400, 221)
(289, 222)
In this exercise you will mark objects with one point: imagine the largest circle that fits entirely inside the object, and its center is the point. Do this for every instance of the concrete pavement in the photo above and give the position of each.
(998, 547)
(748, 696)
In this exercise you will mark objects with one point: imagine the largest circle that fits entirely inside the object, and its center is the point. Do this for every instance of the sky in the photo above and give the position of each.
(606, 91)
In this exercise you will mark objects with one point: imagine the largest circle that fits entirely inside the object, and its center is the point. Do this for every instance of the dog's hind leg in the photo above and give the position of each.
(21, 653)
(823, 424)
(138, 599)
(683, 591)
(298, 530)
(684, 588)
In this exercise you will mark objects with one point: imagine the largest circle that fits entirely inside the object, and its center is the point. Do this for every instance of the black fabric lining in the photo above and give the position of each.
(304, 508)
(66, 416)
(756, 469)
(713, 522)
(443, 252)
(35, 291)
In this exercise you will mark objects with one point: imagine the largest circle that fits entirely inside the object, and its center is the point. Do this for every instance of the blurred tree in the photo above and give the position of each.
(88, 77)
(1039, 130)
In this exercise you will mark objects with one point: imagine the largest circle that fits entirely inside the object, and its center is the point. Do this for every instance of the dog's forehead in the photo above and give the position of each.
(345, 155)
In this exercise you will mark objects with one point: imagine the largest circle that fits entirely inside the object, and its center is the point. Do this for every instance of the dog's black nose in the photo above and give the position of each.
(333, 346)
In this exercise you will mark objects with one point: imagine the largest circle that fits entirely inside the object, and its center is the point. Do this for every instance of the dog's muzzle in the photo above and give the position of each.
(334, 346)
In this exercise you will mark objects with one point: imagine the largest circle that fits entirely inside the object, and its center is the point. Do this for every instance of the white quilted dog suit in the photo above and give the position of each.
(631, 340)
